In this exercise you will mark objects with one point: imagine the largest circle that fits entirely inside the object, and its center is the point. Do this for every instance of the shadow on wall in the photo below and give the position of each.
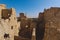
(40, 29)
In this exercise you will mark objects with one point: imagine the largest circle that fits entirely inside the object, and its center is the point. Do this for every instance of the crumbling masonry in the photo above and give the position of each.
(45, 27)
(8, 23)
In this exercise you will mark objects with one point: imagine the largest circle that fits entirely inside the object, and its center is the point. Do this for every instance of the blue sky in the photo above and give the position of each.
(30, 7)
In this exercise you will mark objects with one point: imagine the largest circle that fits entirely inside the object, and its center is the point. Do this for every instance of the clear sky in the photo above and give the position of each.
(30, 7)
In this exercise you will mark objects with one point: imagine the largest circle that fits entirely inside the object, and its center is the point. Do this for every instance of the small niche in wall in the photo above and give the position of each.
(6, 35)
(11, 27)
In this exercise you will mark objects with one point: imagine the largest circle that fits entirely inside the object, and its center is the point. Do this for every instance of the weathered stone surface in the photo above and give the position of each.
(47, 26)
(52, 21)
(8, 24)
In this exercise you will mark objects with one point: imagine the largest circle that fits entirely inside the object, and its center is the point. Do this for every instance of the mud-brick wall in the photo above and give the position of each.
(52, 23)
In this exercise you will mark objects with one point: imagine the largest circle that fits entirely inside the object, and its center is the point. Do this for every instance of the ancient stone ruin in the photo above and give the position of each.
(48, 26)
(8, 23)
(52, 23)
(45, 27)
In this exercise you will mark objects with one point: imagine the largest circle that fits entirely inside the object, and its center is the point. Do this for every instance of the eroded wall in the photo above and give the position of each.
(10, 24)
(52, 21)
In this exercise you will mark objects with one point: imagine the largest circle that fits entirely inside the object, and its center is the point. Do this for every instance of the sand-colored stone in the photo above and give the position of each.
(47, 25)
(9, 24)
(52, 21)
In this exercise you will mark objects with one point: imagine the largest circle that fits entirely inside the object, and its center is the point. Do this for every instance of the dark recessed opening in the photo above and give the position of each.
(6, 35)
(11, 27)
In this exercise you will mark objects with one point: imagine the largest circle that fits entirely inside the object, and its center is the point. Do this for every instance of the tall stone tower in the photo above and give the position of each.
(8, 23)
